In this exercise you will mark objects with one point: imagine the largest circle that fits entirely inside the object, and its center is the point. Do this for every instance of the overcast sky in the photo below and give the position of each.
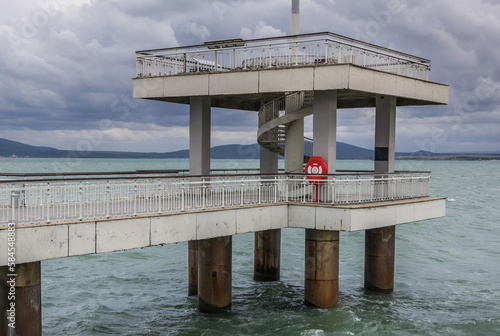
(66, 68)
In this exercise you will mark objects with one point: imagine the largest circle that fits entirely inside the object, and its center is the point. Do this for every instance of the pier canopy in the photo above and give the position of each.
(240, 74)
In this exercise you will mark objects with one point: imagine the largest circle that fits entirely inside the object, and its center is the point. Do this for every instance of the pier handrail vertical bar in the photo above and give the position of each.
(48, 202)
(80, 196)
(182, 197)
(260, 191)
(107, 198)
(204, 191)
(333, 190)
(275, 189)
(135, 198)
(13, 204)
(241, 192)
(223, 197)
(160, 193)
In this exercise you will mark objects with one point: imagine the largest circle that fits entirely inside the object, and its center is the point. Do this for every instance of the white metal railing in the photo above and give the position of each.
(35, 201)
(278, 52)
(273, 138)
(289, 103)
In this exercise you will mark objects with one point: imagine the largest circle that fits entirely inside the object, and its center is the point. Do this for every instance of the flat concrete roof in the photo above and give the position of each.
(357, 86)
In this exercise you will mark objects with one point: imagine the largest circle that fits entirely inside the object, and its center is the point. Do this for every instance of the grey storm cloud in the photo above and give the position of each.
(66, 67)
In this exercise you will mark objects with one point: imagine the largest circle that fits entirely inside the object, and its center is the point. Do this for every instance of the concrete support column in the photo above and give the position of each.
(268, 161)
(294, 147)
(199, 135)
(325, 127)
(214, 274)
(267, 255)
(379, 259)
(385, 134)
(380, 243)
(267, 251)
(199, 164)
(322, 247)
(27, 311)
(322, 268)
(193, 267)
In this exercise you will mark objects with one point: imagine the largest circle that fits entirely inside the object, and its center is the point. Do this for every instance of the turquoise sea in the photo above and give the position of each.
(447, 279)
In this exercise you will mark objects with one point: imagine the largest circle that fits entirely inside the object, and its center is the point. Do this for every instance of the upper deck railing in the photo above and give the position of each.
(35, 200)
(277, 52)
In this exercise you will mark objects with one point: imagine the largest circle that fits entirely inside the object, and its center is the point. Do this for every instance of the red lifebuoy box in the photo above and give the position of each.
(314, 169)
(316, 166)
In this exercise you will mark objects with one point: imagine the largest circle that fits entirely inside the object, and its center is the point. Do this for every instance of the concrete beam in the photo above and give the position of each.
(51, 241)
(242, 89)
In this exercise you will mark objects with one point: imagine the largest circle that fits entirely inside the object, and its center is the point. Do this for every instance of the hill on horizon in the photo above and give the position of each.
(9, 148)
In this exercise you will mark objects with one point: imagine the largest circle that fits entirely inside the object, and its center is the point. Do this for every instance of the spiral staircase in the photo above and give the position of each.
(276, 116)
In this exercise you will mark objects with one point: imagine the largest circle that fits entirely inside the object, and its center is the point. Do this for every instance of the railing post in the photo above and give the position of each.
(260, 187)
(160, 188)
(107, 199)
(304, 187)
(215, 65)
(204, 191)
(287, 183)
(223, 199)
(48, 202)
(333, 190)
(393, 184)
(80, 196)
(275, 189)
(234, 58)
(358, 188)
(241, 192)
(13, 204)
(182, 198)
(135, 198)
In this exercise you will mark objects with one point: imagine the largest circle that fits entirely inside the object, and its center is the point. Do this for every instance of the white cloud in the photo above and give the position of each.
(261, 31)
(201, 32)
(64, 67)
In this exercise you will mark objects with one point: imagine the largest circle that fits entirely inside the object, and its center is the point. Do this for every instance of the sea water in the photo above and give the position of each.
(447, 274)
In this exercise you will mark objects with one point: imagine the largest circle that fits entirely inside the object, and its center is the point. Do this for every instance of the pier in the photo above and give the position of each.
(283, 79)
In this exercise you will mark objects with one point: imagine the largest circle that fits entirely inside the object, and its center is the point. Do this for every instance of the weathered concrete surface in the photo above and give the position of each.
(357, 86)
(50, 241)
(27, 290)
(321, 268)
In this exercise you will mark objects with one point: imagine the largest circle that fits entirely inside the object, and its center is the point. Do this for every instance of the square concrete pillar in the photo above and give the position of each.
(294, 147)
(268, 161)
(380, 242)
(322, 247)
(199, 135)
(385, 134)
(325, 127)
(199, 164)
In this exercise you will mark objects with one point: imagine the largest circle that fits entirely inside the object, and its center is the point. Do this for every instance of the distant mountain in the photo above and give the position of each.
(345, 151)
(350, 152)
(10, 148)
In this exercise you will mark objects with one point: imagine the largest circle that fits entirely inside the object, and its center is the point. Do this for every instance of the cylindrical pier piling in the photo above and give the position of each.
(21, 300)
(214, 274)
(322, 268)
(193, 267)
(379, 259)
(267, 255)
